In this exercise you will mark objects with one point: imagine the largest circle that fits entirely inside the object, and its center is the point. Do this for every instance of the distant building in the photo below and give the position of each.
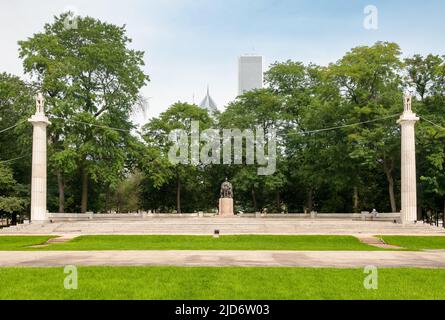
(208, 103)
(250, 73)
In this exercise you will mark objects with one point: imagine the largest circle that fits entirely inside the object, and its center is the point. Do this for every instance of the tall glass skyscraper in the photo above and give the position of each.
(250, 73)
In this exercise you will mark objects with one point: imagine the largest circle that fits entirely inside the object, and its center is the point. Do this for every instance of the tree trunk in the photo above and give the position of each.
(310, 200)
(255, 206)
(443, 217)
(178, 194)
(278, 201)
(84, 201)
(14, 219)
(392, 197)
(356, 200)
(61, 185)
(107, 199)
(388, 171)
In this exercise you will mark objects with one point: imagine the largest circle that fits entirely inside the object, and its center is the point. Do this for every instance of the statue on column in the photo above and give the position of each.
(40, 103)
(408, 102)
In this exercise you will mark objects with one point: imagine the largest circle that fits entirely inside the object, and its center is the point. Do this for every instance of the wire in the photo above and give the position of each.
(93, 125)
(303, 133)
(431, 122)
(346, 125)
(11, 160)
(12, 127)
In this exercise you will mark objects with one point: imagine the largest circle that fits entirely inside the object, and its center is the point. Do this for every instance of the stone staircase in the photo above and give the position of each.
(237, 225)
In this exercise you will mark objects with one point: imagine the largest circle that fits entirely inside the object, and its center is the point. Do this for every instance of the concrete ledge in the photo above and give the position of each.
(54, 217)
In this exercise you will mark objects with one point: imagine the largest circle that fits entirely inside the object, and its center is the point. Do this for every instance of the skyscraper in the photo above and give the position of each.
(250, 73)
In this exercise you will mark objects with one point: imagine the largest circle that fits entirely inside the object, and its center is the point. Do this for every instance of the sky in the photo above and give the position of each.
(190, 44)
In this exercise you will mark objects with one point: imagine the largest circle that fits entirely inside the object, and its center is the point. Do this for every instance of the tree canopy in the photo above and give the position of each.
(92, 80)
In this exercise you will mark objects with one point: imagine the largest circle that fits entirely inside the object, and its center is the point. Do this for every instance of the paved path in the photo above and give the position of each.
(337, 259)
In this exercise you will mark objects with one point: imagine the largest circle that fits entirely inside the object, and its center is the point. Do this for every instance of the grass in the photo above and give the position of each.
(227, 242)
(238, 242)
(177, 283)
(11, 243)
(416, 242)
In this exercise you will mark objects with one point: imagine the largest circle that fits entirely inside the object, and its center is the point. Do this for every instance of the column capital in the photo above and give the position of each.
(39, 119)
(407, 117)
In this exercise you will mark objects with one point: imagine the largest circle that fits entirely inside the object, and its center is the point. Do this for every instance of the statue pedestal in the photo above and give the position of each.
(226, 207)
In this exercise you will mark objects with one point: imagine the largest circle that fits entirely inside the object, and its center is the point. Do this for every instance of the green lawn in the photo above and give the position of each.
(9, 243)
(415, 242)
(238, 242)
(220, 283)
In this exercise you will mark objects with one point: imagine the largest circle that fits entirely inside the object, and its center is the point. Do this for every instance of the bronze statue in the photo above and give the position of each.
(226, 190)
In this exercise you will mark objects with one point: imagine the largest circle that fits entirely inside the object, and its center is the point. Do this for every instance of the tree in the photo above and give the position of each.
(10, 199)
(433, 147)
(16, 105)
(126, 198)
(423, 73)
(264, 109)
(370, 80)
(92, 81)
(311, 101)
(427, 75)
(156, 134)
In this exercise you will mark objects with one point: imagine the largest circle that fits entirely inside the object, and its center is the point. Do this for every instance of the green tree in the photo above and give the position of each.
(127, 196)
(264, 109)
(11, 199)
(156, 134)
(90, 77)
(311, 101)
(423, 74)
(426, 75)
(369, 78)
(16, 105)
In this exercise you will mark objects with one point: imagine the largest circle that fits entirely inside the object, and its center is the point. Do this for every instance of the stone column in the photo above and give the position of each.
(408, 163)
(38, 180)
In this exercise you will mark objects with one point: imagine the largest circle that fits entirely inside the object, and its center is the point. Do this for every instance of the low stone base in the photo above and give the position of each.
(226, 207)
(47, 221)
